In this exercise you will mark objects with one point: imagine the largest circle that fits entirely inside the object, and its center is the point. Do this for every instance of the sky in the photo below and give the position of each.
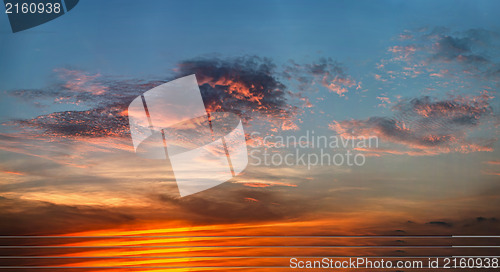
(420, 76)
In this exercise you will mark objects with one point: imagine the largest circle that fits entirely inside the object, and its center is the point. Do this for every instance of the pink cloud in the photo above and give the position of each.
(493, 162)
(79, 81)
(425, 126)
(384, 101)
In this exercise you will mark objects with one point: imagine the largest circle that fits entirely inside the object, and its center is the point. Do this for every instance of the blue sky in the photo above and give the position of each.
(146, 39)
(154, 35)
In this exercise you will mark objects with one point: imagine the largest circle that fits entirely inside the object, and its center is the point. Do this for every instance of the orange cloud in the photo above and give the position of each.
(79, 81)
(425, 126)
(403, 52)
(491, 173)
(13, 173)
(493, 162)
(263, 184)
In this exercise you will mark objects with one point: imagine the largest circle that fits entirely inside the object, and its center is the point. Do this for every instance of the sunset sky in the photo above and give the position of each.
(421, 76)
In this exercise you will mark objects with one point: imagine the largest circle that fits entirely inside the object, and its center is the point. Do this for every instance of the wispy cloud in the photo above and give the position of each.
(427, 126)
(446, 55)
(324, 72)
(493, 162)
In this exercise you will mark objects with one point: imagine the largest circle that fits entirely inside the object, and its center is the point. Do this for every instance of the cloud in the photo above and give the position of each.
(85, 89)
(384, 101)
(471, 53)
(100, 105)
(13, 173)
(484, 219)
(98, 122)
(440, 60)
(440, 223)
(468, 47)
(247, 86)
(497, 162)
(264, 184)
(250, 86)
(426, 126)
(324, 72)
(403, 52)
(491, 173)
(78, 81)
(466, 224)
(30, 217)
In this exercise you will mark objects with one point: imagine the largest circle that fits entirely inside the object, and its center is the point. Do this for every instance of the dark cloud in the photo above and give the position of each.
(86, 90)
(440, 223)
(90, 123)
(484, 219)
(445, 114)
(324, 72)
(480, 225)
(248, 86)
(243, 85)
(475, 45)
(235, 203)
(472, 53)
(106, 101)
(226, 204)
(455, 48)
(22, 217)
(427, 126)
(232, 207)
